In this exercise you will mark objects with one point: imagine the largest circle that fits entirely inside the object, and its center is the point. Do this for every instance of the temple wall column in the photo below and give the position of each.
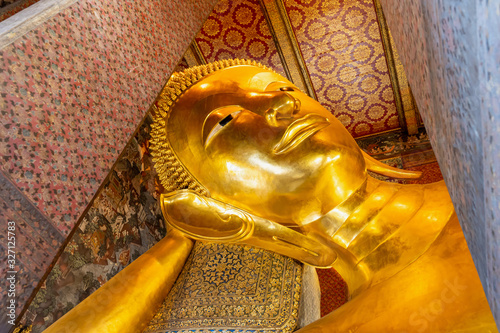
(451, 52)
(77, 78)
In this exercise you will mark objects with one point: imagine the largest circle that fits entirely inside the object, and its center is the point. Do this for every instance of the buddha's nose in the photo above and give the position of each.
(283, 106)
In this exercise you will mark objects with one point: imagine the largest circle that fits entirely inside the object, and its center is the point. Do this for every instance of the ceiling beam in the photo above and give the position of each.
(286, 44)
(405, 106)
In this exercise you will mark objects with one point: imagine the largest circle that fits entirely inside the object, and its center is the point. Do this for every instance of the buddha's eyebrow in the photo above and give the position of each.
(220, 100)
(281, 85)
(255, 101)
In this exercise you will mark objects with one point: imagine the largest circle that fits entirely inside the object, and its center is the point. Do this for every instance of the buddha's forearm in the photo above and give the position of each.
(128, 301)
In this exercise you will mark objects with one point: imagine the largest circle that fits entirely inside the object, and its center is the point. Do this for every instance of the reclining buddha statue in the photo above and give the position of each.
(245, 157)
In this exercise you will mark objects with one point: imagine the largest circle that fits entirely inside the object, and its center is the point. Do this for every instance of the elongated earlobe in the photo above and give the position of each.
(380, 168)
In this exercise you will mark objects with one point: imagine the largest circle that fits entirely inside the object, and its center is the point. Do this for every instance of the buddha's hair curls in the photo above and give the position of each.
(173, 174)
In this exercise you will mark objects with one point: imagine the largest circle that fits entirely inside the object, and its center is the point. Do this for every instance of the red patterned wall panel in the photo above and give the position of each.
(430, 173)
(238, 29)
(334, 291)
(341, 44)
(73, 90)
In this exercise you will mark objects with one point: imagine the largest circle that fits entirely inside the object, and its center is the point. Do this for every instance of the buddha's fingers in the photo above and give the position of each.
(439, 292)
(208, 219)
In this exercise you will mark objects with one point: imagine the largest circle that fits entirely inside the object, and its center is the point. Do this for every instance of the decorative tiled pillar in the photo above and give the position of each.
(73, 91)
(451, 52)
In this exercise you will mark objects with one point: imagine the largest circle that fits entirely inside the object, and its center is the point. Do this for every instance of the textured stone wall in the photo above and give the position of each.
(451, 52)
(73, 91)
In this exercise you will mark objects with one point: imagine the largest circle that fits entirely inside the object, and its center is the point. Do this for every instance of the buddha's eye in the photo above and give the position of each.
(287, 89)
(226, 120)
(220, 125)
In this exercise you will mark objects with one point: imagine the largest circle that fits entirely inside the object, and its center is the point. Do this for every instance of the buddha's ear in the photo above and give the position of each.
(380, 168)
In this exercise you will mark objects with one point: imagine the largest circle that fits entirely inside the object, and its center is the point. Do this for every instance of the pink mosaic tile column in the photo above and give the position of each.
(72, 92)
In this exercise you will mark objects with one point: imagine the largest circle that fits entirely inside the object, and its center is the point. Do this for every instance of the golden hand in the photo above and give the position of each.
(207, 219)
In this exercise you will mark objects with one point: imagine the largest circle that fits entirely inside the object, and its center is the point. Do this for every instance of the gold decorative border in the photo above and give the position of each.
(286, 45)
(193, 55)
(391, 65)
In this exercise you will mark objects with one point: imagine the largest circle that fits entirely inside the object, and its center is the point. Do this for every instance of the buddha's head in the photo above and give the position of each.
(245, 135)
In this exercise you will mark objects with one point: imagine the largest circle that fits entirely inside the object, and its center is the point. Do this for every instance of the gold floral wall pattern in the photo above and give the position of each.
(340, 42)
(238, 29)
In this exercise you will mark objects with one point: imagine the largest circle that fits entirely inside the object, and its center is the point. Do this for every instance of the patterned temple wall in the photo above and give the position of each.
(451, 51)
(74, 90)
(238, 29)
(341, 44)
(11, 7)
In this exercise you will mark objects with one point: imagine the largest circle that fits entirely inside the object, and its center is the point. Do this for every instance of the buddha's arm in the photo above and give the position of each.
(128, 301)
(207, 219)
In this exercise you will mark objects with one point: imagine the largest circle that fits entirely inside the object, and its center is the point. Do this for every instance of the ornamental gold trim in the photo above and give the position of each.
(391, 65)
(194, 56)
(403, 97)
(286, 45)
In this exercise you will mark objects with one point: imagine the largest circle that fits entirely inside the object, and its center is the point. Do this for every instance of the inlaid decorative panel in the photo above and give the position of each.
(386, 145)
(409, 152)
(229, 287)
(341, 44)
(238, 29)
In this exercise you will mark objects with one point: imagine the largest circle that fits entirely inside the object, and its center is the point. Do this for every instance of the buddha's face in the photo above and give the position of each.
(256, 142)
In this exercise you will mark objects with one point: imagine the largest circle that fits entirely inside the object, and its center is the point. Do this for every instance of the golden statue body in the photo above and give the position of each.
(247, 158)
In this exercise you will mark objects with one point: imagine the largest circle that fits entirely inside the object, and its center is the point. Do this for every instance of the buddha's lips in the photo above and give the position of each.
(300, 130)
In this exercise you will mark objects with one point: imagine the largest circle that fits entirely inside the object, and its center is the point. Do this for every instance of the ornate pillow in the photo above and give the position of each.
(232, 288)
